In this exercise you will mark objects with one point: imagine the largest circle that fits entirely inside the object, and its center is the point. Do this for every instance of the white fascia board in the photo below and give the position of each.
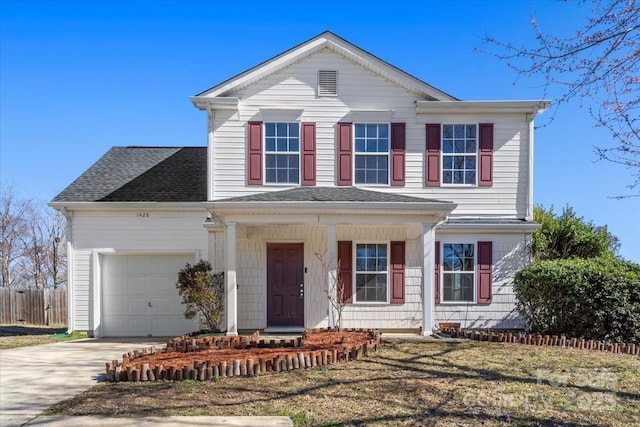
(111, 206)
(270, 66)
(217, 103)
(475, 107)
(527, 228)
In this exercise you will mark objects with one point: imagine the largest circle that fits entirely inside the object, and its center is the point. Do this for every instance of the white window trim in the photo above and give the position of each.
(265, 152)
(442, 154)
(355, 153)
(354, 273)
(453, 241)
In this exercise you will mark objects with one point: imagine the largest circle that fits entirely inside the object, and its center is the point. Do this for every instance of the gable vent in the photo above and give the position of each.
(327, 83)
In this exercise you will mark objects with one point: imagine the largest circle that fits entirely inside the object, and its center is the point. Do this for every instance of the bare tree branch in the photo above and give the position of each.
(599, 65)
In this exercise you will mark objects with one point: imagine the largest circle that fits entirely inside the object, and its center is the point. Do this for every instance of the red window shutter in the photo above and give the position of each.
(397, 272)
(398, 147)
(345, 271)
(485, 164)
(308, 154)
(344, 154)
(436, 269)
(484, 272)
(254, 153)
(432, 156)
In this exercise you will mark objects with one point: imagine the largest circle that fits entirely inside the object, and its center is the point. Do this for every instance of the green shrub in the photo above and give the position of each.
(569, 236)
(202, 292)
(597, 298)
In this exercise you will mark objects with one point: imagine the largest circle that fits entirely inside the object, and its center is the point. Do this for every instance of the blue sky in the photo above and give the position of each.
(78, 77)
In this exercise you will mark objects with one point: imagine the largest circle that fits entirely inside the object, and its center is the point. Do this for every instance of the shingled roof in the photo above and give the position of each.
(329, 194)
(142, 174)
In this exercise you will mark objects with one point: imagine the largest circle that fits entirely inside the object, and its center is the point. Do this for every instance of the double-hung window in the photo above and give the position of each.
(459, 154)
(371, 153)
(458, 272)
(371, 272)
(282, 153)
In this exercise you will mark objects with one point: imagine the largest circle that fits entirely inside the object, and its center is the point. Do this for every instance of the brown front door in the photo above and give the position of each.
(285, 284)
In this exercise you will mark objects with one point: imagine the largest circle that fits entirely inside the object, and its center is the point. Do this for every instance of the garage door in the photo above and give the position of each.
(139, 296)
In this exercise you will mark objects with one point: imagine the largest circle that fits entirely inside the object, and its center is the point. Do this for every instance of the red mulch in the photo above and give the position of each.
(318, 341)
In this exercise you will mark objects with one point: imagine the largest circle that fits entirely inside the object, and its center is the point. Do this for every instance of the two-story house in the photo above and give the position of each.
(324, 165)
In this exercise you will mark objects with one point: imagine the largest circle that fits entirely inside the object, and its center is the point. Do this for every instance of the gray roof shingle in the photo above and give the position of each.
(329, 194)
(142, 174)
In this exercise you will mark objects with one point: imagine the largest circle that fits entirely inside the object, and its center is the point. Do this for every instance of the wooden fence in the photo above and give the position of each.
(33, 306)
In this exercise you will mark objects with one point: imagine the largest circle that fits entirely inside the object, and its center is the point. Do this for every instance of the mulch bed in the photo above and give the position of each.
(212, 357)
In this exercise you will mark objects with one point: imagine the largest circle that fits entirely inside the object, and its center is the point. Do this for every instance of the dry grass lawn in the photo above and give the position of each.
(466, 383)
(12, 336)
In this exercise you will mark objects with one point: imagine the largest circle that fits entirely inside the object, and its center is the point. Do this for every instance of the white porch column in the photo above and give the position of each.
(428, 291)
(332, 273)
(230, 276)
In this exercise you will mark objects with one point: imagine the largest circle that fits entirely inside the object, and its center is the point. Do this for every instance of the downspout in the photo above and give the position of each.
(70, 300)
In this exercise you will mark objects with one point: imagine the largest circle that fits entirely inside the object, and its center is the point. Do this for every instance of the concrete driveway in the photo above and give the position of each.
(34, 378)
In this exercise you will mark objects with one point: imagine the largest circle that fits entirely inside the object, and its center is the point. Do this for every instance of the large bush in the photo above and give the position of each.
(597, 298)
(202, 293)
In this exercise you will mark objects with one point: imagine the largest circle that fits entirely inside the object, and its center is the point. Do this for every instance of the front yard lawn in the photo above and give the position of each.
(13, 336)
(464, 383)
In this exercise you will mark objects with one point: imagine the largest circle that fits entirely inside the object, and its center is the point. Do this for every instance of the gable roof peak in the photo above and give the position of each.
(337, 44)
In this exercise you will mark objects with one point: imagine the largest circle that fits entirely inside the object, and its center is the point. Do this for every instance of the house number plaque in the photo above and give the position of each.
(143, 215)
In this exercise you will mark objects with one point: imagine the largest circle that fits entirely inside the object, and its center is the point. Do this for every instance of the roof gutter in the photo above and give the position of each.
(125, 205)
(472, 107)
(525, 227)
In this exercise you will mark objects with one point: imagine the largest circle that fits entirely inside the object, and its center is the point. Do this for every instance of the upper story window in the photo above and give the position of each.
(458, 272)
(459, 154)
(371, 272)
(371, 153)
(282, 153)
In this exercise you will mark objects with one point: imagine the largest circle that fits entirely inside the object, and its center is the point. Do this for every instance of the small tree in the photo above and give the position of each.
(569, 236)
(334, 289)
(202, 292)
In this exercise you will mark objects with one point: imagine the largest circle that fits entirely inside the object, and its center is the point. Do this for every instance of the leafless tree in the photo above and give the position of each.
(599, 63)
(13, 227)
(32, 249)
(334, 289)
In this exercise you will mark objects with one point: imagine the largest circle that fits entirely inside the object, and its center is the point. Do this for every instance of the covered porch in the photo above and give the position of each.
(282, 250)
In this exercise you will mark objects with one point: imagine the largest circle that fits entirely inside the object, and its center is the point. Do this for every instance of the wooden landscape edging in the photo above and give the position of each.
(211, 370)
(539, 339)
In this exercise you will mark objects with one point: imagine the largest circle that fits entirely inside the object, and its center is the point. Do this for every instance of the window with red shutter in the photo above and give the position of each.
(397, 272)
(485, 163)
(398, 147)
(436, 281)
(485, 269)
(345, 153)
(308, 154)
(254, 153)
(345, 271)
(432, 155)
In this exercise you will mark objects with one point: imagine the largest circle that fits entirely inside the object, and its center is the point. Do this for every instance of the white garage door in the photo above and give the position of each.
(140, 298)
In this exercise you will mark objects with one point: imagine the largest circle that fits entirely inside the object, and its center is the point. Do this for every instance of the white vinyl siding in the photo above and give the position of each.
(365, 96)
(96, 233)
